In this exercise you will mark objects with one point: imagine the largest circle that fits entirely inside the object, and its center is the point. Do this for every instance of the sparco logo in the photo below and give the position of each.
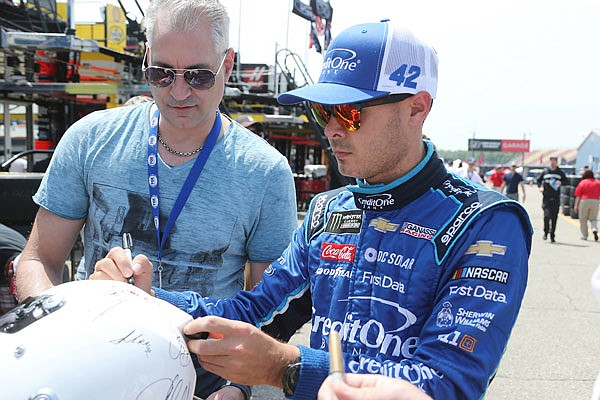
(341, 59)
(338, 252)
(317, 212)
(376, 202)
(459, 221)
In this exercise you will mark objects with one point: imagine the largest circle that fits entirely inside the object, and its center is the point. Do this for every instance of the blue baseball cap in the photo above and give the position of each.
(369, 61)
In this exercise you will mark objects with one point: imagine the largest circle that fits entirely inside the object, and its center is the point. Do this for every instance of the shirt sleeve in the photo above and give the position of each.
(278, 216)
(62, 190)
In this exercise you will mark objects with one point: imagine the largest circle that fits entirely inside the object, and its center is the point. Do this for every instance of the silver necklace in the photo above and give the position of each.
(178, 153)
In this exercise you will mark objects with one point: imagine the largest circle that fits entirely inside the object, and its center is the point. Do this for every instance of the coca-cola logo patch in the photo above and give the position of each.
(338, 252)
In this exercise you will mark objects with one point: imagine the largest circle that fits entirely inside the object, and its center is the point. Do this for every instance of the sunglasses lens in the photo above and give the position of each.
(321, 113)
(159, 77)
(348, 116)
(201, 79)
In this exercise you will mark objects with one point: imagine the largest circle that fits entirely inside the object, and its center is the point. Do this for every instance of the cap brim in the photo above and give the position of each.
(329, 94)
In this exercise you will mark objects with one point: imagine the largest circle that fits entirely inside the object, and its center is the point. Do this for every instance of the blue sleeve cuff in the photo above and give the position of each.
(178, 299)
(313, 371)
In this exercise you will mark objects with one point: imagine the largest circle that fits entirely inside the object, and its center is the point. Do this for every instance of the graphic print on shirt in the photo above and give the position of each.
(118, 211)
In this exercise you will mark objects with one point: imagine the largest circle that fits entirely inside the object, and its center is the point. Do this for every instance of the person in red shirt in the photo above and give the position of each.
(497, 177)
(587, 200)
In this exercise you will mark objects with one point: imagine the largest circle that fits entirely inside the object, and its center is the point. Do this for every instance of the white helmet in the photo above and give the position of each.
(95, 340)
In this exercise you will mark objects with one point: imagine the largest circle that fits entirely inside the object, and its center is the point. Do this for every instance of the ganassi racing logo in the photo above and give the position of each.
(371, 332)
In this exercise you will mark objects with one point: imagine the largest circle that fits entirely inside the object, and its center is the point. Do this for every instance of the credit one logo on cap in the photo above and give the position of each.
(340, 59)
(338, 252)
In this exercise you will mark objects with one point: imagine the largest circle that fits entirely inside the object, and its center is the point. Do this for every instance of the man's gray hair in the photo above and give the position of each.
(184, 15)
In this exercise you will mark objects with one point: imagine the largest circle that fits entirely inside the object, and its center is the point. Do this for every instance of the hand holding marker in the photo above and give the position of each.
(127, 245)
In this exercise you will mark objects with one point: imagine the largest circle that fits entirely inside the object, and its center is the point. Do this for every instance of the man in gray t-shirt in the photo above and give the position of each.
(199, 194)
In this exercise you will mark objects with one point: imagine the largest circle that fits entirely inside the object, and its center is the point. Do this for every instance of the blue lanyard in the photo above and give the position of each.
(188, 185)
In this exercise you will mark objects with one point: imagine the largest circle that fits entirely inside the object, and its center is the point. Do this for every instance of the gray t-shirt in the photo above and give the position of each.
(242, 207)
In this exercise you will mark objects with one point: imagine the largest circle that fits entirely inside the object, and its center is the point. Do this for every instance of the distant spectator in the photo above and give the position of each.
(11, 245)
(19, 165)
(250, 123)
(549, 182)
(587, 200)
(511, 182)
(470, 173)
(497, 178)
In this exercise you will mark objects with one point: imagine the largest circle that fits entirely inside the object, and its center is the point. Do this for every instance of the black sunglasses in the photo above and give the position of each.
(197, 78)
(348, 115)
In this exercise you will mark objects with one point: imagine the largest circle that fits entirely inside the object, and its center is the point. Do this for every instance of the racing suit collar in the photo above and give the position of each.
(395, 195)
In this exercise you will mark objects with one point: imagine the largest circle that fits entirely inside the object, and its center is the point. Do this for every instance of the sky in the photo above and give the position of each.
(512, 69)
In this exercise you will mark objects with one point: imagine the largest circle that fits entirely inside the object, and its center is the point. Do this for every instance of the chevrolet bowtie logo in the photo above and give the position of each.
(486, 248)
(383, 225)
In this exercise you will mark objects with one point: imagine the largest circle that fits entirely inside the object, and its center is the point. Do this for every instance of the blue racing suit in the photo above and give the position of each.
(423, 277)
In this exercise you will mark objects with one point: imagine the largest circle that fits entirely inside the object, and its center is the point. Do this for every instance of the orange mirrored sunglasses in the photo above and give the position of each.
(348, 115)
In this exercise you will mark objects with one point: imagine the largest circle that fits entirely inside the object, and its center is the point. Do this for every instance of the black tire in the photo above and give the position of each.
(574, 215)
(571, 201)
(574, 180)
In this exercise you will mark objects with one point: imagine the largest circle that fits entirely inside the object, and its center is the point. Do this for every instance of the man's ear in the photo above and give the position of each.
(229, 63)
(420, 107)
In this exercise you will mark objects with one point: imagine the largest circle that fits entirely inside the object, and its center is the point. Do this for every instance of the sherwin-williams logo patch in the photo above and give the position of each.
(383, 225)
(341, 222)
(486, 248)
(420, 232)
(485, 273)
(338, 252)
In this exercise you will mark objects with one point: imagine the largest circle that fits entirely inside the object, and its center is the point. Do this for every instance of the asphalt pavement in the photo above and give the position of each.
(554, 349)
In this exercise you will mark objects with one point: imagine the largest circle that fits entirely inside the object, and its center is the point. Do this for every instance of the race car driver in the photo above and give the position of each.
(421, 272)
